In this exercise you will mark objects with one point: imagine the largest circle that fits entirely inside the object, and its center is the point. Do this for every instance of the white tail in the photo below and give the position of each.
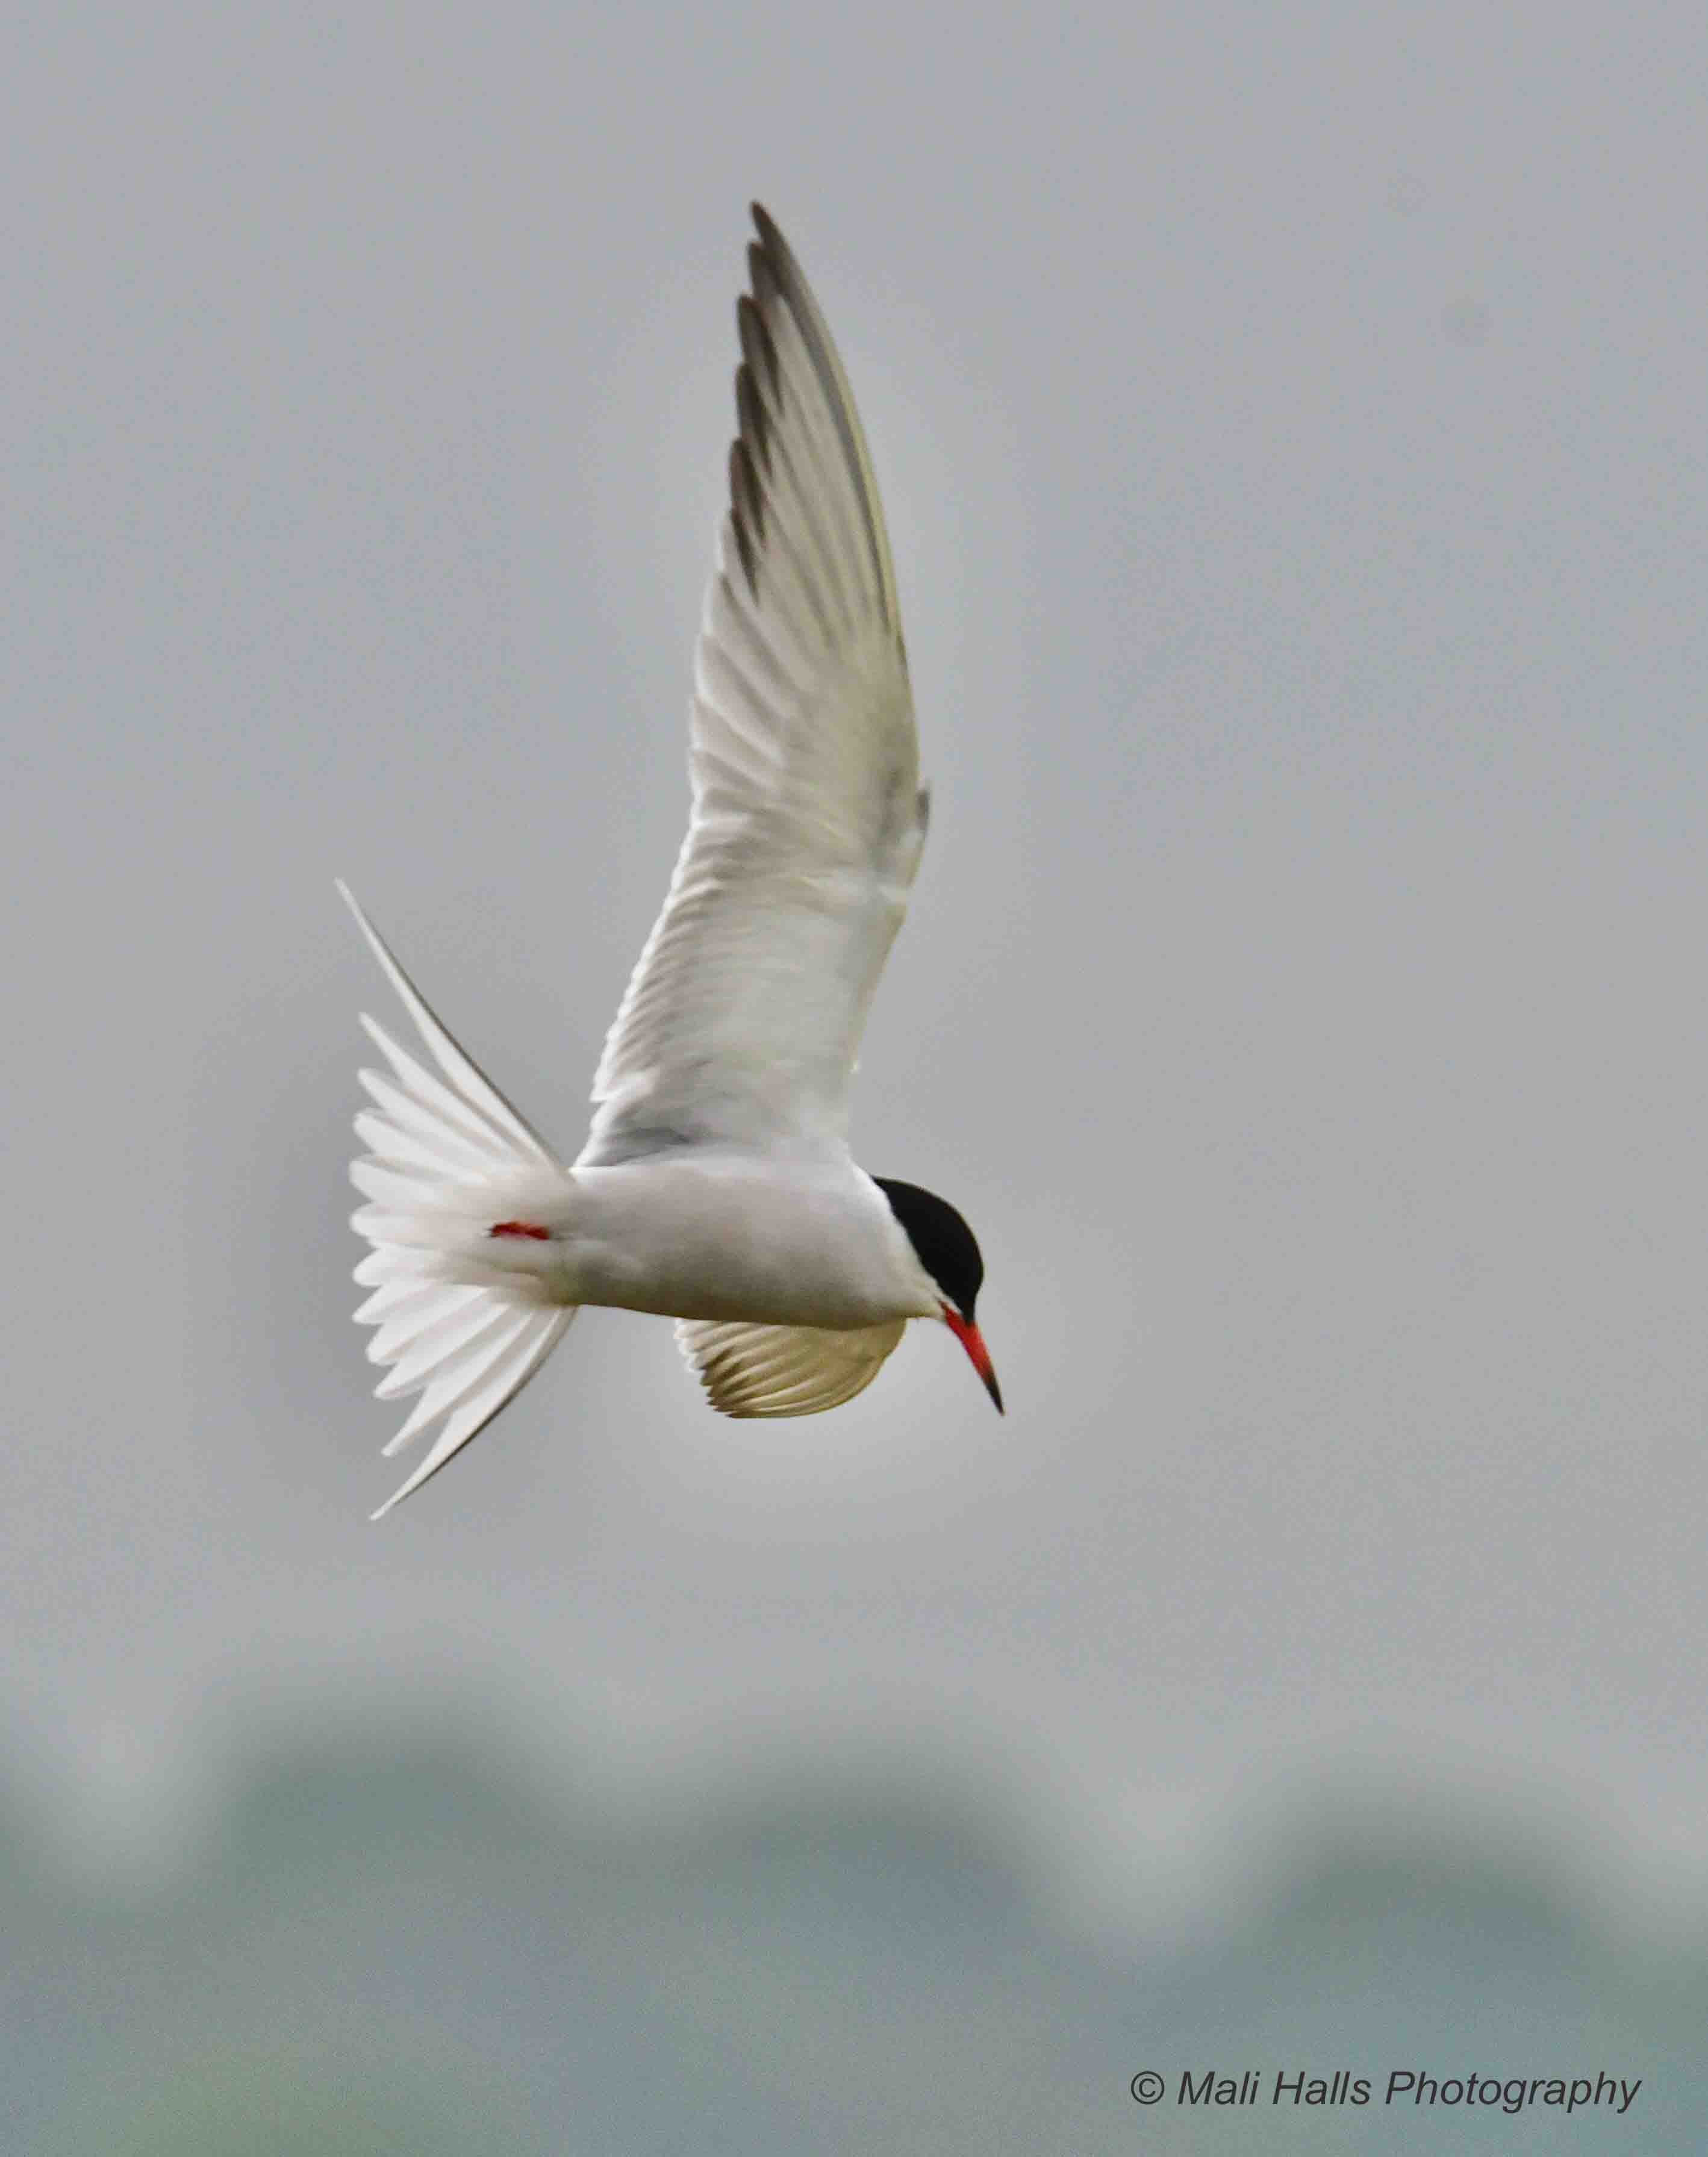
(444, 1161)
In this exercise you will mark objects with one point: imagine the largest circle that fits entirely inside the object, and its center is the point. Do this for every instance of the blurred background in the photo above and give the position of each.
(1292, 424)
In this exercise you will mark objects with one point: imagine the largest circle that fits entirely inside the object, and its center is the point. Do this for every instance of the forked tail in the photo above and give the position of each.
(446, 1160)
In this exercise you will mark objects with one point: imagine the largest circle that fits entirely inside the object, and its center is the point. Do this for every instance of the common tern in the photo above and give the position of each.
(716, 1186)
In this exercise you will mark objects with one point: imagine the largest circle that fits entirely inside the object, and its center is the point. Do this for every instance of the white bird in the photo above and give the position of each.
(716, 1186)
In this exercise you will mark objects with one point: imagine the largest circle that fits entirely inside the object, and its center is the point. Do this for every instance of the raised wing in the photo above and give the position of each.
(784, 1370)
(742, 1021)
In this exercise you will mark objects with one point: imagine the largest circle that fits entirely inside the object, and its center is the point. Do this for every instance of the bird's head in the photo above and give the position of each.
(948, 1251)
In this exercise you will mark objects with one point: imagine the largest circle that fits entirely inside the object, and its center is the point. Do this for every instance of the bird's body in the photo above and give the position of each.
(711, 1233)
(716, 1186)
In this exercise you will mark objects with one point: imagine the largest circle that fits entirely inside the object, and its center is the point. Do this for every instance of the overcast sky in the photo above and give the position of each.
(1291, 421)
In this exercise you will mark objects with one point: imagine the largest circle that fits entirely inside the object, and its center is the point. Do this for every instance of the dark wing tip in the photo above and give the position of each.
(750, 415)
(778, 281)
(758, 347)
(762, 275)
(746, 512)
(773, 261)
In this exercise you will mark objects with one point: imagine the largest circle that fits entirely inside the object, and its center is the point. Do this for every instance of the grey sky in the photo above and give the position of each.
(1292, 424)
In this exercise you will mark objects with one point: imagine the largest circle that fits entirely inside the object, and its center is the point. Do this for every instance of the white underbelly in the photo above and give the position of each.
(729, 1241)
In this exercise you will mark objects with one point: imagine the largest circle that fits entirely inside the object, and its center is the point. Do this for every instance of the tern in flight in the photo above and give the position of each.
(716, 1186)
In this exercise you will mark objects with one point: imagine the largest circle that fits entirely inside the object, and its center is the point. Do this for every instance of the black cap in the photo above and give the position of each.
(946, 1247)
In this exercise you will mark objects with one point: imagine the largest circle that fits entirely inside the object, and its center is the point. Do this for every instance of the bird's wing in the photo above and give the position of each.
(784, 1370)
(742, 1021)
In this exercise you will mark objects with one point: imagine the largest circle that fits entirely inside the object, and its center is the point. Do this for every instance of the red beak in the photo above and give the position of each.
(978, 1354)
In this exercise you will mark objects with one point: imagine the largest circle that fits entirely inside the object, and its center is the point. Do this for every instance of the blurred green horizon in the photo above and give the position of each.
(418, 1928)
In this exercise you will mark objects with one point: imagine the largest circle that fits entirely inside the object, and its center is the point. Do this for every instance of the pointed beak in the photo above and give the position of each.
(978, 1354)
